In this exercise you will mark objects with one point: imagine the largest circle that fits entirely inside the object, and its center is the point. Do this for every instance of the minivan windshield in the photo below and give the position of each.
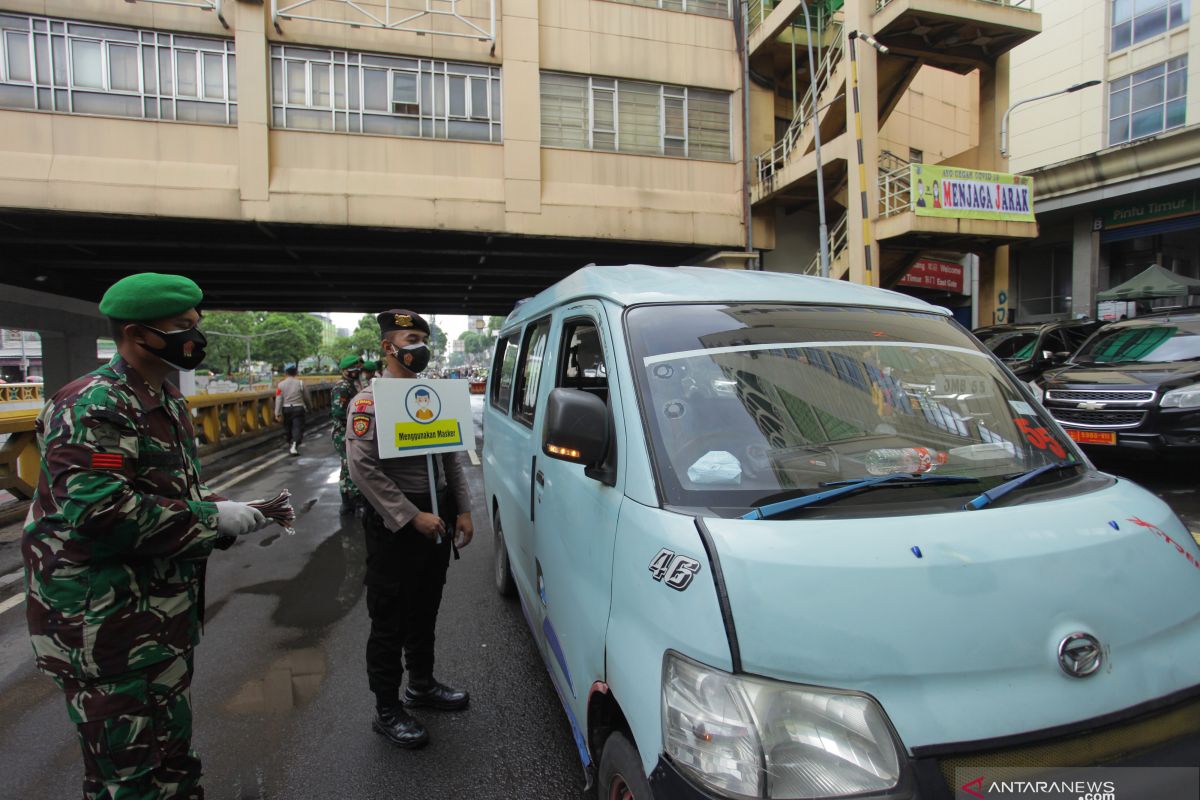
(1175, 340)
(746, 402)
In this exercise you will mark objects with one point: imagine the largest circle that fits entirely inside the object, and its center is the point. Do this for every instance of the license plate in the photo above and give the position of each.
(1092, 437)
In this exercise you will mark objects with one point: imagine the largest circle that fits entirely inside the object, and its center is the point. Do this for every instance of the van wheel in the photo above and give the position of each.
(621, 774)
(501, 569)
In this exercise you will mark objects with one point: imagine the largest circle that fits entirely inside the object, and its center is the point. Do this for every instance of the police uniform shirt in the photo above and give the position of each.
(289, 393)
(385, 482)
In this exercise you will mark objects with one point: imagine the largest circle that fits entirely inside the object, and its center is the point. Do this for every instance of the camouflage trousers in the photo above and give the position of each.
(135, 731)
(345, 485)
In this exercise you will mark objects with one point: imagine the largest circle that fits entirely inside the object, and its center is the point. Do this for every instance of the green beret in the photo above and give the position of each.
(349, 362)
(371, 365)
(148, 296)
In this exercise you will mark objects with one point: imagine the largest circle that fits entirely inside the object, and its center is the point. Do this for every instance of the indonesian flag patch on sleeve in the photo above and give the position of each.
(108, 461)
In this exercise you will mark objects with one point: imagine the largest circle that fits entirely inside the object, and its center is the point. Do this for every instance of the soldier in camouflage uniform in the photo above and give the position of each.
(339, 406)
(115, 546)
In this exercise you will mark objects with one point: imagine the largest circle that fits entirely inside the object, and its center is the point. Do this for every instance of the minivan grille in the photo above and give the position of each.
(1115, 396)
(1099, 419)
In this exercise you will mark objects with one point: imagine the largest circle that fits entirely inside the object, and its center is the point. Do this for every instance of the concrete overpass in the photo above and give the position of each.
(298, 267)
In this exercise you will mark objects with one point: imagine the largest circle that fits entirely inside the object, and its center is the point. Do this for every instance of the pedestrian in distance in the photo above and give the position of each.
(290, 406)
(339, 407)
(408, 547)
(115, 545)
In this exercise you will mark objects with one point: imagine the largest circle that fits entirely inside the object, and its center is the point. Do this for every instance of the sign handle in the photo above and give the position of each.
(432, 488)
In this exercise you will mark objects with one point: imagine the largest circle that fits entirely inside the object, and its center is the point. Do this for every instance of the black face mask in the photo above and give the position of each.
(352, 374)
(184, 350)
(414, 357)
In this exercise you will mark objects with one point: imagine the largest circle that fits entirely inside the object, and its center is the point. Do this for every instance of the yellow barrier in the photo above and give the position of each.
(220, 420)
(20, 392)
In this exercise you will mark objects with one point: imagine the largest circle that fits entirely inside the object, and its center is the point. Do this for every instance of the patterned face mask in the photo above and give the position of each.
(184, 350)
(413, 357)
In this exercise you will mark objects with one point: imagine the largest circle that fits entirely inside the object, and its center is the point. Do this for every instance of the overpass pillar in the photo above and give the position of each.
(65, 357)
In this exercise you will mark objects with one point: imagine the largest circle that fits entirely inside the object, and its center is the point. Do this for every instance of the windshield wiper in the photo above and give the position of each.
(988, 497)
(847, 487)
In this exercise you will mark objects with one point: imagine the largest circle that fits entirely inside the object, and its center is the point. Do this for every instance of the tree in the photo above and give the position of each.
(298, 337)
(338, 349)
(365, 339)
(226, 353)
(437, 344)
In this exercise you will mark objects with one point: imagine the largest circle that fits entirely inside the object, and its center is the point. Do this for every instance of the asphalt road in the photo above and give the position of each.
(281, 702)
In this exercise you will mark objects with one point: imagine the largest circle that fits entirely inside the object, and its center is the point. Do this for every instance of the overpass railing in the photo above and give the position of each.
(20, 392)
(221, 420)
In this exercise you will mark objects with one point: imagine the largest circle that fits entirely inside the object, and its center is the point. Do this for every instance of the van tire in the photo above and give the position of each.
(501, 568)
(621, 774)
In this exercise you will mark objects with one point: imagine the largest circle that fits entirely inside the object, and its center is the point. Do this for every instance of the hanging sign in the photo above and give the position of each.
(929, 273)
(939, 191)
(419, 417)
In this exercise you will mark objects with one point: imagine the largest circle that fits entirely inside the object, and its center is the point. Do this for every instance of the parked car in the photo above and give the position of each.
(1133, 387)
(1031, 349)
(778, 536)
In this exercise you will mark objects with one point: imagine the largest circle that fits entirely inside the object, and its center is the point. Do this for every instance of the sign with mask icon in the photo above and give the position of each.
(417, 417)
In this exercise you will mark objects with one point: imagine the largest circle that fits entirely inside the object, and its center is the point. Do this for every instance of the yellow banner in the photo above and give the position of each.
(419, 435)
(939, 191)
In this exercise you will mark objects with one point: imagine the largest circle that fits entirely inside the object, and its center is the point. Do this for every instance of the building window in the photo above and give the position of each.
(634, 117)
(1044, 276)
(708, 8)
(1147, 102)
(1136, 20)
(336, 90)
(57, 65)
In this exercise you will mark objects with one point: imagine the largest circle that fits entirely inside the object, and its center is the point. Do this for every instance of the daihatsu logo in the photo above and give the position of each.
(1080, 655)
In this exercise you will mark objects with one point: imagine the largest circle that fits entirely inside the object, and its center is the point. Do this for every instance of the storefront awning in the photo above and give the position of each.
(1151, 283)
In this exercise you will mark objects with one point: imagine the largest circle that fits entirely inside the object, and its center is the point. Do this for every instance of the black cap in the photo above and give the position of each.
(399, 319)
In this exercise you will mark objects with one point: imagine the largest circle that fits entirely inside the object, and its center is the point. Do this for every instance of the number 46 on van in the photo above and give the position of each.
(678, 570)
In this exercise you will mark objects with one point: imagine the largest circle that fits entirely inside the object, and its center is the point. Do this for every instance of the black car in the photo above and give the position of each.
(1134, 386)
(1031, 349)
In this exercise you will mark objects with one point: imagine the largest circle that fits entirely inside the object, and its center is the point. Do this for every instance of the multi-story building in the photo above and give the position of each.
(1115, 167)
(472, 151)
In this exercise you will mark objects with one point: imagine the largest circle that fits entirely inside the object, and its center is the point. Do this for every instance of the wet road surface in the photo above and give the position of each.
(281, 703)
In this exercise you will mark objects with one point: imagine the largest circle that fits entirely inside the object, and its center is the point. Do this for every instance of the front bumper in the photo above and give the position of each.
(1164, 733)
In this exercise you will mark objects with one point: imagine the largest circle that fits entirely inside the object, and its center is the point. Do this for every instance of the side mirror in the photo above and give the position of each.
(1061, 357)
(576, 427)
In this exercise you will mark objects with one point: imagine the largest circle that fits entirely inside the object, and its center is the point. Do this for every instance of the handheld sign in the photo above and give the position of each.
(419, 417)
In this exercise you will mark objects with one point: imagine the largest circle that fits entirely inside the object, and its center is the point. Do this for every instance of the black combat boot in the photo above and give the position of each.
(347, 504)
(399, 727)
(431, 694)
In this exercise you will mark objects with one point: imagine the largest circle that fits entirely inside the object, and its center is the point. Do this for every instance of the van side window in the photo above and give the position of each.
(532, 355)
(582, 364)
(504, 366)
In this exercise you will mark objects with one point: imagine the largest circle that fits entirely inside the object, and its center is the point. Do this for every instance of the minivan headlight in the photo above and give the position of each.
(1183, 397)
(733, 733)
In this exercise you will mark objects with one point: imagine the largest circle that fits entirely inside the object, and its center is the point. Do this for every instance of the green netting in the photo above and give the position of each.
(1026, 351)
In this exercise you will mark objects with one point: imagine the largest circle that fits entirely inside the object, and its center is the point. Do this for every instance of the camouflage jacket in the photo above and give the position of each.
(119, 528)
(339, 405)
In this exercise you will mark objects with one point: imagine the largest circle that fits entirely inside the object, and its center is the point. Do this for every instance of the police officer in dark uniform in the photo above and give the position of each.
(408, 547)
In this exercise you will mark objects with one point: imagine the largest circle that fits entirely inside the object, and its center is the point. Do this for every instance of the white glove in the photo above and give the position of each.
(237, 519)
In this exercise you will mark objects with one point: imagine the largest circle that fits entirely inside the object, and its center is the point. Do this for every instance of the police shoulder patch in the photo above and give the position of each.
(360, 424)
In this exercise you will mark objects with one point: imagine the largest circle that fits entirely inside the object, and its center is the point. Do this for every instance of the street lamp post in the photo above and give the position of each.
(822, 228)
(1014, 106)
(858, 141)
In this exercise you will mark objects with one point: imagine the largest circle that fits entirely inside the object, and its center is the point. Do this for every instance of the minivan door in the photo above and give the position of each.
(576, 515)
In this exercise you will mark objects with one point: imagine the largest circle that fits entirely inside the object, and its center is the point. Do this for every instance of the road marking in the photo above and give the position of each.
(239, 478)
(12, 602)
(474, 458)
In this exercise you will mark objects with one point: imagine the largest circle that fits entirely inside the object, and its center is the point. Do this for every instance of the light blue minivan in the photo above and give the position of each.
(786, 537)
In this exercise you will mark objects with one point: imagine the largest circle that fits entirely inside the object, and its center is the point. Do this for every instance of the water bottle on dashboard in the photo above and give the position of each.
(909, 460)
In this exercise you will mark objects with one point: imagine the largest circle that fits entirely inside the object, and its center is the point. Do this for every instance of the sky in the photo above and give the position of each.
(451, 324)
